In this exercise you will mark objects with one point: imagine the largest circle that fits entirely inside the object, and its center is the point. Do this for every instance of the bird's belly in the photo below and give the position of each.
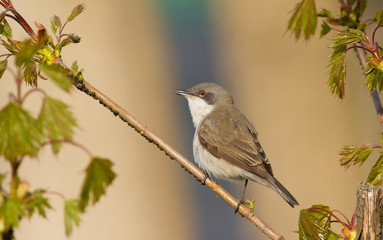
(214, 166)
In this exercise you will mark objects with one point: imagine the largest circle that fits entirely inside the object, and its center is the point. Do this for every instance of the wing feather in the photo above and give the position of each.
(230, 136)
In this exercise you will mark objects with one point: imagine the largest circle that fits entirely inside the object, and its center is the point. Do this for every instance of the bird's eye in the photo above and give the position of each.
(202, 93)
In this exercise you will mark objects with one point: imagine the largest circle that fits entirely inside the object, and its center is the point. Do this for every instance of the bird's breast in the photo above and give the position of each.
(217, 167)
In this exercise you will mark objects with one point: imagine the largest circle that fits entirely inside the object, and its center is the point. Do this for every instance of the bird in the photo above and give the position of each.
(225, 143)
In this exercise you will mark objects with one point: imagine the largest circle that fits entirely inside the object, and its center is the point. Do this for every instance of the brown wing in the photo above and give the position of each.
(237, 142)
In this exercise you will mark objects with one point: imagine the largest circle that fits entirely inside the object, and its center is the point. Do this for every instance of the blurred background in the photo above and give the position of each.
(138, 52)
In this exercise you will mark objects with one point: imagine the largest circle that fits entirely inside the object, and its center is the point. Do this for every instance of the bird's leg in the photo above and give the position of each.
(206, 176)
(242, 197)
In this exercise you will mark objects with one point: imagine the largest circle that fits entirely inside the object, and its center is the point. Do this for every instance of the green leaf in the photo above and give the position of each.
(74, 66)
(9, 45)
(376, 173)
(11, 211)
(352, 155)
(58, 75)
(379, 18)
(304, 19)
(55, 24)
(76, 11)
(325, 29)
(5, 29)
(57, 121)
(26, 53)
(337, 76)
(333, 236)
(325, 13)
(348, 37)
(71, 215)
(314, 224)
(99, 175)
(374, 78)
(30, 74)
(20, 134)
(3, 67)
(38, 202)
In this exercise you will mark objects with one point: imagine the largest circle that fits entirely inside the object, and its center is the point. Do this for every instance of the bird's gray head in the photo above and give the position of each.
(203, 98)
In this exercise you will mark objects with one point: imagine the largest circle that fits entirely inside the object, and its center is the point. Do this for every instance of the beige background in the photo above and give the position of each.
(280, 84)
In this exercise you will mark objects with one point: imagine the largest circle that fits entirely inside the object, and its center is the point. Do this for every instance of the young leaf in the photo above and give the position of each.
(337, 74)
(55, 24)
(99, 175)
(57, 121)
(374, 78)
(58, 75)
(74, 38)
(325, 13)
(325, 29)
(5, 29)
(11, 211)
(74, 66)
(26, 53)
(38, 202)
(314, 224)
(379, 18)
(3, 67)
(333, 236)
(76, 11)
(20, 134)
(304, 19)
(71, 215)
(348, 37)
(352, 155)
(30, 74)
(376, 173)
(9, 45)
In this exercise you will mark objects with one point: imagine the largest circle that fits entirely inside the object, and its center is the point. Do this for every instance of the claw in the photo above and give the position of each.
(238, 205)
(206, 176)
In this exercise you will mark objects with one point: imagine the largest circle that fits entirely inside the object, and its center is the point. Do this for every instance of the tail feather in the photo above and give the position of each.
(282, 191)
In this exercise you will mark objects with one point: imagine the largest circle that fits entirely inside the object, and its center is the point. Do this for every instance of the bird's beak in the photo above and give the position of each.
(182, 93)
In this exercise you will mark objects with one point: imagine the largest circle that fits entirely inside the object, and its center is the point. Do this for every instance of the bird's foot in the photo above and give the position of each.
(238, 205)
(205, 177)
(245, 202)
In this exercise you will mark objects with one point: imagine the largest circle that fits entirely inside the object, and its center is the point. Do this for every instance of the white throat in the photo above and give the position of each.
(198, 109)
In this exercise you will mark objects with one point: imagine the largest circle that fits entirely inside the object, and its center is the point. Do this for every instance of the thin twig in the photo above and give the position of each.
(374, 95)
(84, 86)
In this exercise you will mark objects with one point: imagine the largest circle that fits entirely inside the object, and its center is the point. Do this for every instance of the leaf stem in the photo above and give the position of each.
(373, 35)
(333, 215)
(371, 145)
(32, 91)
(361, 47)
(56, 193)
(60, 32)
(70, 142)
(7, 55)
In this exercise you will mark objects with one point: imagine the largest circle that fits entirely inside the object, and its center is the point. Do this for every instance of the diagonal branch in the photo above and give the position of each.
(87, 88)
(361, 54)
